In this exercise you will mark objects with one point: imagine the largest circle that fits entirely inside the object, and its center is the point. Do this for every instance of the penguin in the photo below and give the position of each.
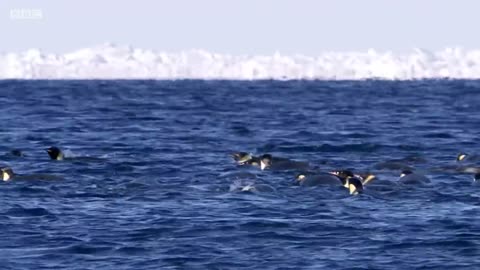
(350, 181)
(344, 176)
(55, 153)
(355, 186)
(410, 177)
(242, 157)
(466, 163)
(464, 157)
(341, 178)
(476, 177)
(265, 161)
(461, 157)
(365, 178)
(274, 163)
(8, 174)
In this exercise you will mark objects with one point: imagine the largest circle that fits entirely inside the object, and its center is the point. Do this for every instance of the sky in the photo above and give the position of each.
(307, 27)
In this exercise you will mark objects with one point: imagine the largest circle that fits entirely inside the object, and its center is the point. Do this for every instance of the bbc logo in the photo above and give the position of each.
(26, 14)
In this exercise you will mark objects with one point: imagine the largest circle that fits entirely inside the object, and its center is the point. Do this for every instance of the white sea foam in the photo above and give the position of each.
(109, 61)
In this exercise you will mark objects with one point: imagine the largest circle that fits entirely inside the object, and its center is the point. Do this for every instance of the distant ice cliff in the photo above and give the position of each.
(109, 61)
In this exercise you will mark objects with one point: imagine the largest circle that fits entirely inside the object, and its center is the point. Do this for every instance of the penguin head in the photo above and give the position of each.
(55, 153)
(355, 185)
(476, 177)
(7, 173)
(265, 161)
(241, 157)
(405, 172)
(461, 157)
(343, 175)
(300, 177)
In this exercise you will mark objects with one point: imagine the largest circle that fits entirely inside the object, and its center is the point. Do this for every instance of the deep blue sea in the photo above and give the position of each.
(160, 196)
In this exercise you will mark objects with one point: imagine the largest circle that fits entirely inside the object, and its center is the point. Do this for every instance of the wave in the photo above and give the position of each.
(109, 61)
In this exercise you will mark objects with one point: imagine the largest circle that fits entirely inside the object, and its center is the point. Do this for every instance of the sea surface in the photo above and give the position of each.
(159, 191)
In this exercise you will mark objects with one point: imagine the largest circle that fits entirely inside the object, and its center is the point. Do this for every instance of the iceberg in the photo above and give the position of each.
(109, 61)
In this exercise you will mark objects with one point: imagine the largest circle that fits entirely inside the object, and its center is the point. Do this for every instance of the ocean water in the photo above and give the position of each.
(161, 195)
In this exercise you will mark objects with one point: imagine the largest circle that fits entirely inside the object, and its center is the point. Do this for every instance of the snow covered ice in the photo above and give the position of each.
(109, 61)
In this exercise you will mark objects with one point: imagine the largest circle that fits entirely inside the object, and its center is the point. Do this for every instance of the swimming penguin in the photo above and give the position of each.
(55, 153)
(355, 186)
(242, 157)
(310, 180)
(351, 181)
(8, 174)
(274, 163)
(465, 164)
(265, 161)
(343, 175)
(365, 178)
(476, 177)
(409, 177)
(464, 157)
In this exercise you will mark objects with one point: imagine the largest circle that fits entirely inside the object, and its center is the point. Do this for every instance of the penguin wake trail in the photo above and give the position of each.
(139, 174)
